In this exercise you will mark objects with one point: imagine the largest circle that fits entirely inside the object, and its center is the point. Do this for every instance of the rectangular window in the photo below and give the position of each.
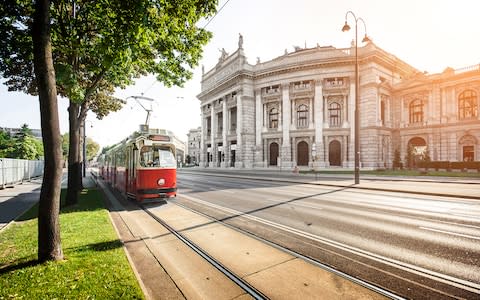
(209, 126)
(233, 119)
(220, 123)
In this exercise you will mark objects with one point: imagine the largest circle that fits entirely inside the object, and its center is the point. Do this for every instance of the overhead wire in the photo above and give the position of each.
(216, 14)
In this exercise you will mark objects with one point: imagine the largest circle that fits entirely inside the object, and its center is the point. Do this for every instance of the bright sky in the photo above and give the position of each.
(430, 35)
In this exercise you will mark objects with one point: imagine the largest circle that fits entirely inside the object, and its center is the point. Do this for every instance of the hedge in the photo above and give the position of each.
(450, 165)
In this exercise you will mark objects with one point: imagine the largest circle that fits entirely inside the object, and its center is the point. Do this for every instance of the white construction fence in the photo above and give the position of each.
(13, 171)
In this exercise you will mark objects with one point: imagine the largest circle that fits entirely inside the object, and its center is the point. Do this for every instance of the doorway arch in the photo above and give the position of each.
(273, 154)
(302, 154)
(335, 153)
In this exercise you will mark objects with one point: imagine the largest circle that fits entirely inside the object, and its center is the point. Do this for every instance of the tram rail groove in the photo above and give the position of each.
(249, 289)
(310, 260)
(461, 284)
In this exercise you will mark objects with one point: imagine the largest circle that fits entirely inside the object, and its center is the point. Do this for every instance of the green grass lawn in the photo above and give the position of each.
(95, 265)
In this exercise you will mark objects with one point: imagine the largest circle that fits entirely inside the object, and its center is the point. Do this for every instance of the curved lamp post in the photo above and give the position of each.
(365, 39)
(84, 154)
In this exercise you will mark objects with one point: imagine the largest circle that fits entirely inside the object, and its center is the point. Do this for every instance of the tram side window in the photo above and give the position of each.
(156, 157)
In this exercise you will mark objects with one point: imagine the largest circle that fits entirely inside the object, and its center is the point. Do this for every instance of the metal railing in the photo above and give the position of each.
(14, 171)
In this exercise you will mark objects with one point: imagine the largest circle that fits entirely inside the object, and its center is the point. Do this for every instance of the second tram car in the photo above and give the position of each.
(143, 166)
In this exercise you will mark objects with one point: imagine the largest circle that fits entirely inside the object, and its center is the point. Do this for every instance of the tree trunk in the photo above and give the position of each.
(74, 157)
(49, 242)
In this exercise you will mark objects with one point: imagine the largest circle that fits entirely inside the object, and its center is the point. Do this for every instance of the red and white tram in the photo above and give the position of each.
(143, 166)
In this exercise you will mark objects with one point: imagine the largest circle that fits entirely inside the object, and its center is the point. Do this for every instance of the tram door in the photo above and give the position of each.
(131, 172)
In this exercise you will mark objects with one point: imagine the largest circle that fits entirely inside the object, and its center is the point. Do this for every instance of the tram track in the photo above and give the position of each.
(249, 288)
(310, 260)
(120, 203)
(470, 289)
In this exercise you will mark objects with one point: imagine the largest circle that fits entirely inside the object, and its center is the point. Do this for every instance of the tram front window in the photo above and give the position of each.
(154, 156)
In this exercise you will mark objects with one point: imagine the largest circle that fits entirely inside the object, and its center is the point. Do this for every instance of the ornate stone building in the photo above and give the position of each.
(298, 110)
(194, 138)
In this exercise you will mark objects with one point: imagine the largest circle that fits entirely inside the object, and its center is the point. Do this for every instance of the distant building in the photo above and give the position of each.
(194, 141)
(180, 148)
(37, 133)
(298, 110)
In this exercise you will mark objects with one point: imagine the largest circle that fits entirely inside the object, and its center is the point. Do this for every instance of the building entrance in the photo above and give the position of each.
(334, 153)
(302, 154)
(273, 154)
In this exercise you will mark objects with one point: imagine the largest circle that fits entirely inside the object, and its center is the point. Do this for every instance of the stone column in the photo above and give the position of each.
(293, 111)
(239, 151)
(285, 152)
(225, 151)
(311, 107)
(258, 129)
(319, 159)
(213, 133)
(203, 149)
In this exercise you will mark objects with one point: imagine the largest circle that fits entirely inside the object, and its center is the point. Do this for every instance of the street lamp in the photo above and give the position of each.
(346, 27)
(84, 154)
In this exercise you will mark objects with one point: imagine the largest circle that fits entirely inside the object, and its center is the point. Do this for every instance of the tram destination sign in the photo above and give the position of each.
(159, 138)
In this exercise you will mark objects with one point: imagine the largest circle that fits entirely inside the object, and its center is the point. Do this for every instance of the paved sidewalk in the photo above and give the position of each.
(17, 199)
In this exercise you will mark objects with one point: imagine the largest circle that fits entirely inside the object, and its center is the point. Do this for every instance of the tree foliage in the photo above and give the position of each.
(6, 144)
(397, 162)
(22, 146)
(101, 45)
(92, 147)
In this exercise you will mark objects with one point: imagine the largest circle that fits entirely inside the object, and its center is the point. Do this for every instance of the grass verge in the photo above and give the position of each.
(95, 265)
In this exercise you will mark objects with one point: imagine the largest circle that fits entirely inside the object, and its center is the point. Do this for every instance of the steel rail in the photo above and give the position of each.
(224, 270)
(461, 284)
(358, 281)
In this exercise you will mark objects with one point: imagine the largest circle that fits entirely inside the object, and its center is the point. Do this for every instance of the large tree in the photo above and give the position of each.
(49, 243)
(101, 45)
(25, 31)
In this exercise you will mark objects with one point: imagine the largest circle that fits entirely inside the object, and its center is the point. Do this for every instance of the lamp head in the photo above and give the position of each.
(366, 39)
(346, 27)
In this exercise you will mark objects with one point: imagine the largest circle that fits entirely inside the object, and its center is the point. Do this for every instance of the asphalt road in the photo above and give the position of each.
(414, 245)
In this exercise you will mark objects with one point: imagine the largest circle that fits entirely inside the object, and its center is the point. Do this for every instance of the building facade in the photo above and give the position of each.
(298, 110)
(193, 148)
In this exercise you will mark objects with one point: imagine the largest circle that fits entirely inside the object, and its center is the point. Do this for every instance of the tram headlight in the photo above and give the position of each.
(161, 181)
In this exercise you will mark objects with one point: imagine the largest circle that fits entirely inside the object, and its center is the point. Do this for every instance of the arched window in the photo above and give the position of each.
(302, 116)
(273, 118)
(334, 114)
(416, 111)
(467, 105)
